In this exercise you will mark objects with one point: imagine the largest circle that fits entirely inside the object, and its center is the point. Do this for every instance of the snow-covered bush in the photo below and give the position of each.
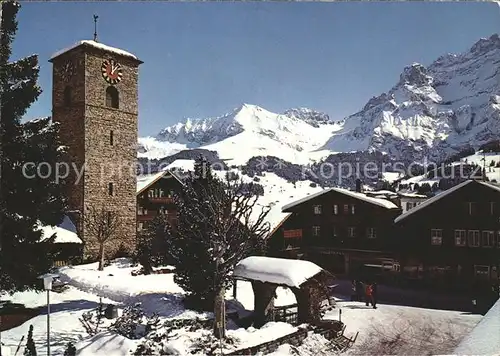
(93, 320)
(157, 341)
(134, 323)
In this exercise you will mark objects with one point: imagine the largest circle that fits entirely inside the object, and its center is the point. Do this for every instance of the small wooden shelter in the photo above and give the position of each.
(306, 280)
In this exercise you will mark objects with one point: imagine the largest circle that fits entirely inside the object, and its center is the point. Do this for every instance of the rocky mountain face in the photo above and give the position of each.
(312, 117)
(432, 112)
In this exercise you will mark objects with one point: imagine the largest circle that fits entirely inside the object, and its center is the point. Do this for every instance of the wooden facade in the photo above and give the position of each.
(453, 239)
(157, 197)
(339, 230)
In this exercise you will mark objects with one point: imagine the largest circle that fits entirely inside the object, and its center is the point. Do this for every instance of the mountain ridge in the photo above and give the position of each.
(432, 112)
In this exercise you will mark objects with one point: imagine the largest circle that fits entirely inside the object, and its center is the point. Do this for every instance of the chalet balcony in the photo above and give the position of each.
(146, 217)
(161, 200)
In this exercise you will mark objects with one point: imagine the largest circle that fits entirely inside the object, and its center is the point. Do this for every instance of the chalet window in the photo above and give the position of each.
(472, 208)
(488, 239)
(156, 193)
(353, 209)
(111, 138)
(142, 211)
(460, 238)
(112, 97)
(474, 238)
(371, 232)
(492, 208)
(67, 96)
(482, 272)
(334, 231)
(346, 209)
(139, 226)
(316, 230)
(110, 189)
(351, 231)
(336, 209)
(436, 236)
(317, 209)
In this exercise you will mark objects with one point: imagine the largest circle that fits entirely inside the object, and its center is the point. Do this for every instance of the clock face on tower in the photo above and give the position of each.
(111, 71)
(67, 70)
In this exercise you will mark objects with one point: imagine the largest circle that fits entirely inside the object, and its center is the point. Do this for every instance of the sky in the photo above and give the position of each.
(204, 59)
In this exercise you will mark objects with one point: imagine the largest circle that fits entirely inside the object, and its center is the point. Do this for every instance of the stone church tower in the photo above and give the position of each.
(95, 100)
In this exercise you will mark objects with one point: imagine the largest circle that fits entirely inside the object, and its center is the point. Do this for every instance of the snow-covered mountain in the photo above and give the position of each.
(431, 112)
(247, 132)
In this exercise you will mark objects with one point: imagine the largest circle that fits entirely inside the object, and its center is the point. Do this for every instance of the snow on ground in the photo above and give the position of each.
(66, 308)
(158, 293)
(393, 329)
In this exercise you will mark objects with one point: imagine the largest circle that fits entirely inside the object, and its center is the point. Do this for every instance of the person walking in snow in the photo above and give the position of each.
(354, 295)
(369, 295)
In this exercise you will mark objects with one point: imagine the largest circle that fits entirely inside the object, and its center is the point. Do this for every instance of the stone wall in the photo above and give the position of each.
(296, 338)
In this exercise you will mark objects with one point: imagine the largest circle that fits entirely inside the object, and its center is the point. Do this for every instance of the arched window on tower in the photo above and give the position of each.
(67, 96)
(112, 97)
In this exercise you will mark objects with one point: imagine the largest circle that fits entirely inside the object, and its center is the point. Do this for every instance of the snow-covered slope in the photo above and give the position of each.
(247, 132)
(432, 111)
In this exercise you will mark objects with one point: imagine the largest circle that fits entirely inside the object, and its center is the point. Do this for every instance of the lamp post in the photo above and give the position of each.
(47, 285)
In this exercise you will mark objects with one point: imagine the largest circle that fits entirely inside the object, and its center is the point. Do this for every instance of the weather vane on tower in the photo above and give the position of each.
(95, 27)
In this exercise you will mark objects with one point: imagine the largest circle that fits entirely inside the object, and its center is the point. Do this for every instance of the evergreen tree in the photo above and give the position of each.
(152, 247)
(30, 349)
(70, 349)
(214, 231)
(29, 196)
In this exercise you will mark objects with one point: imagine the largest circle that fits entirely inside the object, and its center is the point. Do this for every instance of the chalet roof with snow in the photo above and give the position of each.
(96, 45)
(372, 200)
(65, 232)
(144, 181)
(281, 271)
(440, 196)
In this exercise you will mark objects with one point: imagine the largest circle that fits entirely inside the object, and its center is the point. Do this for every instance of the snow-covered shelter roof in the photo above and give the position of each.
(97, 45)
(434, 199)
(282, 271)
(484, 339)
(377, 201)
(146, 180)
(65, 232)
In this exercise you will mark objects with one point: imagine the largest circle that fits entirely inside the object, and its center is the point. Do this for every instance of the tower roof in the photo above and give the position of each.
(96, 45)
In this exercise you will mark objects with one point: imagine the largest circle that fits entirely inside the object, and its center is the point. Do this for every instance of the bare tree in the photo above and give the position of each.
(102, 224)
(219, 223)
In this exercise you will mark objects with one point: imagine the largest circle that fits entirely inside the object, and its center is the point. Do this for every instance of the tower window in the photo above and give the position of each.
(112, 97)
(111, 138)
(110, 189)
(67, 96)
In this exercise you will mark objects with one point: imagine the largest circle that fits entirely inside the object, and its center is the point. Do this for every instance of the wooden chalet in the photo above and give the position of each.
(155, 195)
(453, 239)
(343, 231)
